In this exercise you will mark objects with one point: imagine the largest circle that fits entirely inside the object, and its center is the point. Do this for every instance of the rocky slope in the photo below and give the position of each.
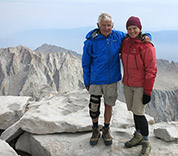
(25, 72)
(164, 103)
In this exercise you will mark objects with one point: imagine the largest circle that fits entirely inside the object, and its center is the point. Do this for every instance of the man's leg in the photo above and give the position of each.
(94, 107)
(107, 114)
(107, 118)
(95, 123)
(110, 96)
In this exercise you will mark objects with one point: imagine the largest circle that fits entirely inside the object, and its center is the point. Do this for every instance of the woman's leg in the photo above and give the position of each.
(142, 125)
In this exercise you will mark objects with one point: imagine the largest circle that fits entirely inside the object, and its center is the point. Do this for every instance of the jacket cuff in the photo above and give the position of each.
(148, 86)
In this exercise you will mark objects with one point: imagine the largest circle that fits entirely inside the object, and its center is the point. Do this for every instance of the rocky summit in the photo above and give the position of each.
(44, 107)
(59, 124)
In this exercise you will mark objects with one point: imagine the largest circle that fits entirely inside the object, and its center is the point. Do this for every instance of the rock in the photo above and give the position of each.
(168, 132)
(6, 150)
(69, 113)
(60, 125)
(25, 144)
(12, 132)
(77, 144)
(12, 109)
(63, 113)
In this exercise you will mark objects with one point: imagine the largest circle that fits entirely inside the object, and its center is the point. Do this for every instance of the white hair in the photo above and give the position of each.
(106, 17)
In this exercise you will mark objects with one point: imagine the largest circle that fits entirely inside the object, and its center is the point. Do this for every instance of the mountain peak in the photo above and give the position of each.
(47, 48)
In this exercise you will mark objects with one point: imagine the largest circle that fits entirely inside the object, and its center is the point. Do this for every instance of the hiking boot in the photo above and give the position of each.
(146, 148)
(95, 136)
(136, 140)
(106, 136)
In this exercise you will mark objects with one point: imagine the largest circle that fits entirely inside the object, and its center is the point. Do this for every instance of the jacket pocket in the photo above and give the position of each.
(132, 62)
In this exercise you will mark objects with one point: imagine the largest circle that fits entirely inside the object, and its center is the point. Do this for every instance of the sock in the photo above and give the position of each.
(145, 138)
(95, 124)
(106, 125)
(137, 130)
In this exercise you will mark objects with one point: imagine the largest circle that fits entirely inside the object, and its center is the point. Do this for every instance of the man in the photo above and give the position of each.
(101, 72)
(101, 69)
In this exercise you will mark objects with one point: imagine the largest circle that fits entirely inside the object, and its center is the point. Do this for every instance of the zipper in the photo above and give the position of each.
(130, 46)
(136, 62)
(109, 61)
(127, 69)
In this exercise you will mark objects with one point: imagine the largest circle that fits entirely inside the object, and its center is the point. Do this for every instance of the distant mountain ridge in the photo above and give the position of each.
(166, 41)
(165, 36)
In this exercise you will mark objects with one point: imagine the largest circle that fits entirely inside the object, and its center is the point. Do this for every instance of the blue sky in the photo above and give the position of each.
(18, 16)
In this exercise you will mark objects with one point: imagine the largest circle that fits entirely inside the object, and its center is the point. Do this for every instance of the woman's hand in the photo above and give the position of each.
(146, 99)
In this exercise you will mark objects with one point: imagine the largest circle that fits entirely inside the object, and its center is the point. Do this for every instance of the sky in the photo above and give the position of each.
(24, 15)
(18, 15)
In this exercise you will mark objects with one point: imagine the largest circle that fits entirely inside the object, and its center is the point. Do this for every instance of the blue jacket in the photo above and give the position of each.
(100, 59)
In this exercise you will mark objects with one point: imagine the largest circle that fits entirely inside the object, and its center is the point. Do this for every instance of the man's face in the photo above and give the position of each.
(105, 27)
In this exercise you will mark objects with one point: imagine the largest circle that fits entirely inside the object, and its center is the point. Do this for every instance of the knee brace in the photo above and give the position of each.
(94, 106)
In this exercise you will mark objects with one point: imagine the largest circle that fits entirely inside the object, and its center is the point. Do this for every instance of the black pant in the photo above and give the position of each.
(141, 124)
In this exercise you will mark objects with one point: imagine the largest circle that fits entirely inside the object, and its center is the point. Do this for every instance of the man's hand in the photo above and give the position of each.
(146, 38)
(87, 88)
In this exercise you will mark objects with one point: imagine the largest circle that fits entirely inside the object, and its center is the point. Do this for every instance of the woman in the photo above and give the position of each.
(139, 62)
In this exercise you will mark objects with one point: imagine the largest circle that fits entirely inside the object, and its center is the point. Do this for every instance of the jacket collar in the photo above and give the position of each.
(95, 34)
(135, 40)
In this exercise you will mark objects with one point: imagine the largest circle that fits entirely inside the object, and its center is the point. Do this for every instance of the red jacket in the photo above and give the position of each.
(139, 62)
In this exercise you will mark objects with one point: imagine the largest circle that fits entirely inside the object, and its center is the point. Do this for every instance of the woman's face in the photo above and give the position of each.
(133, 31)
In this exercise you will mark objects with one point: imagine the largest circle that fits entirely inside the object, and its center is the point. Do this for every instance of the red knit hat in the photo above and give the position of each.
(134, 21)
